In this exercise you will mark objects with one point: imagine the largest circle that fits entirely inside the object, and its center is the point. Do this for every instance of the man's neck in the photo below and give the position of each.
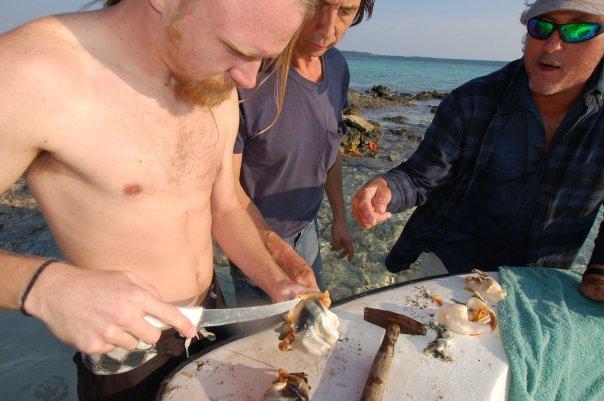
(135, 28)
(553, 109)
(558, 103)
(310, 67)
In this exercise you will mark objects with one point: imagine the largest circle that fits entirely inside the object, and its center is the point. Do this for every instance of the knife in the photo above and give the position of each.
(202, 317)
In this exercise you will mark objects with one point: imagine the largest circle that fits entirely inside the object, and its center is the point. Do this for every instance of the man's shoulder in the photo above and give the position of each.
(38, 54)
(489, 88)
(335, 57)
(227, 114)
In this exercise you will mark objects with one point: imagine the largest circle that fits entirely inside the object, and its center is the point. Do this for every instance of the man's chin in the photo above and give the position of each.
(541, 87)
(208, 93)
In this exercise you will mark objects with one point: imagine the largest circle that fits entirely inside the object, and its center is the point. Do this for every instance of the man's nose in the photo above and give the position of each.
(553, 43)
(327, 23)
(245, 75)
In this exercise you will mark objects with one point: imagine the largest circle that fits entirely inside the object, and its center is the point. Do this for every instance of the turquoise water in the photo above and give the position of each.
(414, 74)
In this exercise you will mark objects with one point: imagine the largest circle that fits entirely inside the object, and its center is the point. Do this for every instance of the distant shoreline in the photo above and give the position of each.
(355, 53)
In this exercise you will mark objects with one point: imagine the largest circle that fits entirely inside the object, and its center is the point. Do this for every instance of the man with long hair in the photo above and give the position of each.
(123, 121)
(285, 169)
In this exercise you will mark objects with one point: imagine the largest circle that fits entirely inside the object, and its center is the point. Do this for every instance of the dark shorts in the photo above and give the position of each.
(143, 382)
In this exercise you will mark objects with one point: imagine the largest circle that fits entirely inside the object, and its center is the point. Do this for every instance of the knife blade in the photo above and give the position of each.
(202, 317)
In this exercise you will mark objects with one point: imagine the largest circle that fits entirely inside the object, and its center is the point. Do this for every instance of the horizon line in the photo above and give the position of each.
(430, 57)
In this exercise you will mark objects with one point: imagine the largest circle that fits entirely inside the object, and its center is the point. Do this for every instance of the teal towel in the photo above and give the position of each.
(553, 336)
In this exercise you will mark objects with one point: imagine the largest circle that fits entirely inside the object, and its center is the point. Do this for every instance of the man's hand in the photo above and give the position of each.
(342, 240)
(286, 290)
(592, 286)
(370, 202)
(294, 265)
(97, 310)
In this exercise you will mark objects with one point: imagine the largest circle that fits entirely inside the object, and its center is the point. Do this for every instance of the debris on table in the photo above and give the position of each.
(289, 387)
(439, 348)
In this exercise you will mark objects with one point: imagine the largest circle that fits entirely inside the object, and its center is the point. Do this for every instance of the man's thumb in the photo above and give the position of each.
(381, 200)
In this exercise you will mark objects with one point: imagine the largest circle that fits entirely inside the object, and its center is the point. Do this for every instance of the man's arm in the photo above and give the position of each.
(342, 240)
(93, 311)
(282, 253)
(410, 183)
(592, 285)
(235, 231)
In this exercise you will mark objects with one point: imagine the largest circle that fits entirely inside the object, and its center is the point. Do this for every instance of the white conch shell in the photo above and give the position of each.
(320, 337)
(474, 318)
(311, 327)
(486, 286)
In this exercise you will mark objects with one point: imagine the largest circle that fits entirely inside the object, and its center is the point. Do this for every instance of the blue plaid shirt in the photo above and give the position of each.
(457, 146)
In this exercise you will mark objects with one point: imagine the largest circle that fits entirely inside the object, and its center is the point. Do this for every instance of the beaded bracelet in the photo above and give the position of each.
(31, 284)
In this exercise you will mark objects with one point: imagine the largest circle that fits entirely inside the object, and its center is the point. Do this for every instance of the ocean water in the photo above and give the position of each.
(414, 74)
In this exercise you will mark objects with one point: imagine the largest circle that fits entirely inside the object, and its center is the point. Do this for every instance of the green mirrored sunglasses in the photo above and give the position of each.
(573, 32)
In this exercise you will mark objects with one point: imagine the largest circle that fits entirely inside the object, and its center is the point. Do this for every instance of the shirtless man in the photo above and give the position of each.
(124, 121)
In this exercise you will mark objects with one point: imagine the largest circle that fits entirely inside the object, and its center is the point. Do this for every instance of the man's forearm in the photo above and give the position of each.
(333, 188)
(405, 194)
(272, 241)
(15, 273)
(247, 251)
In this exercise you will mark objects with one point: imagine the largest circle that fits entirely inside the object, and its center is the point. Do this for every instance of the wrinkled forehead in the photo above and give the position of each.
(341, 3)
(263, 27)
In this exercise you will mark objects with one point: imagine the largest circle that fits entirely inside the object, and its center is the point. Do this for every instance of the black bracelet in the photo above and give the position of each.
(594, 270)
(31, 284)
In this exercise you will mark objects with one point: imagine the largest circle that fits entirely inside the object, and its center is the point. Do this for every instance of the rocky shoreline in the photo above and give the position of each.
(363, 136)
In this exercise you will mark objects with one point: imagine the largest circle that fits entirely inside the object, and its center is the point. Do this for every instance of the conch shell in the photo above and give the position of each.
(289, 387)
(310, 327)
(486, 286)
(474, 318)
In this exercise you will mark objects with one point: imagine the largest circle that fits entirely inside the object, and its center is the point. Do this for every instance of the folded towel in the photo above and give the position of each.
(553, 336)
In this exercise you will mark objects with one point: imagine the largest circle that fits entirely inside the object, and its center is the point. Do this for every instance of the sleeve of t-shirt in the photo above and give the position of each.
(241, 134)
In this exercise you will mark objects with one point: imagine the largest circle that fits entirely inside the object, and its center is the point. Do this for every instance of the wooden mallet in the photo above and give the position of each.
(394, 323)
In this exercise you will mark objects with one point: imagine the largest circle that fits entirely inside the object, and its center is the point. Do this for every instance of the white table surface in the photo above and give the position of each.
(242, 370)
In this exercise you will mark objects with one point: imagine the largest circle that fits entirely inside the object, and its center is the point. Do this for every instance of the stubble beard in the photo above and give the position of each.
(542, 86)
(207, 93)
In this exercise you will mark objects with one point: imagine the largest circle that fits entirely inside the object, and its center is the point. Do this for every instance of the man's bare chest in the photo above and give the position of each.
(139, 151)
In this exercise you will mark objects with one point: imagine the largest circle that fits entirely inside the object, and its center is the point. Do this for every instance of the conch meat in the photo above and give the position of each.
(289, 387)
(310, 327)
(439, 348)
(474, 318)
(486, 286)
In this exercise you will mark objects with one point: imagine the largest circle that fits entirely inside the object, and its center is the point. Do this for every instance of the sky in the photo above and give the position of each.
(462, 29)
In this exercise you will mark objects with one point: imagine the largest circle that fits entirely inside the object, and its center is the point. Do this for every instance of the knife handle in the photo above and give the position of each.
(194, 315)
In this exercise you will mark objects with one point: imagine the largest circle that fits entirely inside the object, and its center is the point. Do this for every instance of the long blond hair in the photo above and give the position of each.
(279, 65)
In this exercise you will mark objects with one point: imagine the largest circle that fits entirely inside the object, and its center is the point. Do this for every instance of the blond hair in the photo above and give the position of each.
(279, 65)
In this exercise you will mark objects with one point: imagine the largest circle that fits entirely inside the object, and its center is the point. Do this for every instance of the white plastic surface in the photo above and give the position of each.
(242, 370)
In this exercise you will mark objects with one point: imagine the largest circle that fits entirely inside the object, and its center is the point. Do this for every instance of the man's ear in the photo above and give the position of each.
(158, 5)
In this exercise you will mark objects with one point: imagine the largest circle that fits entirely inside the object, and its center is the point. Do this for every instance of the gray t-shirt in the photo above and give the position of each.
(284, 169)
